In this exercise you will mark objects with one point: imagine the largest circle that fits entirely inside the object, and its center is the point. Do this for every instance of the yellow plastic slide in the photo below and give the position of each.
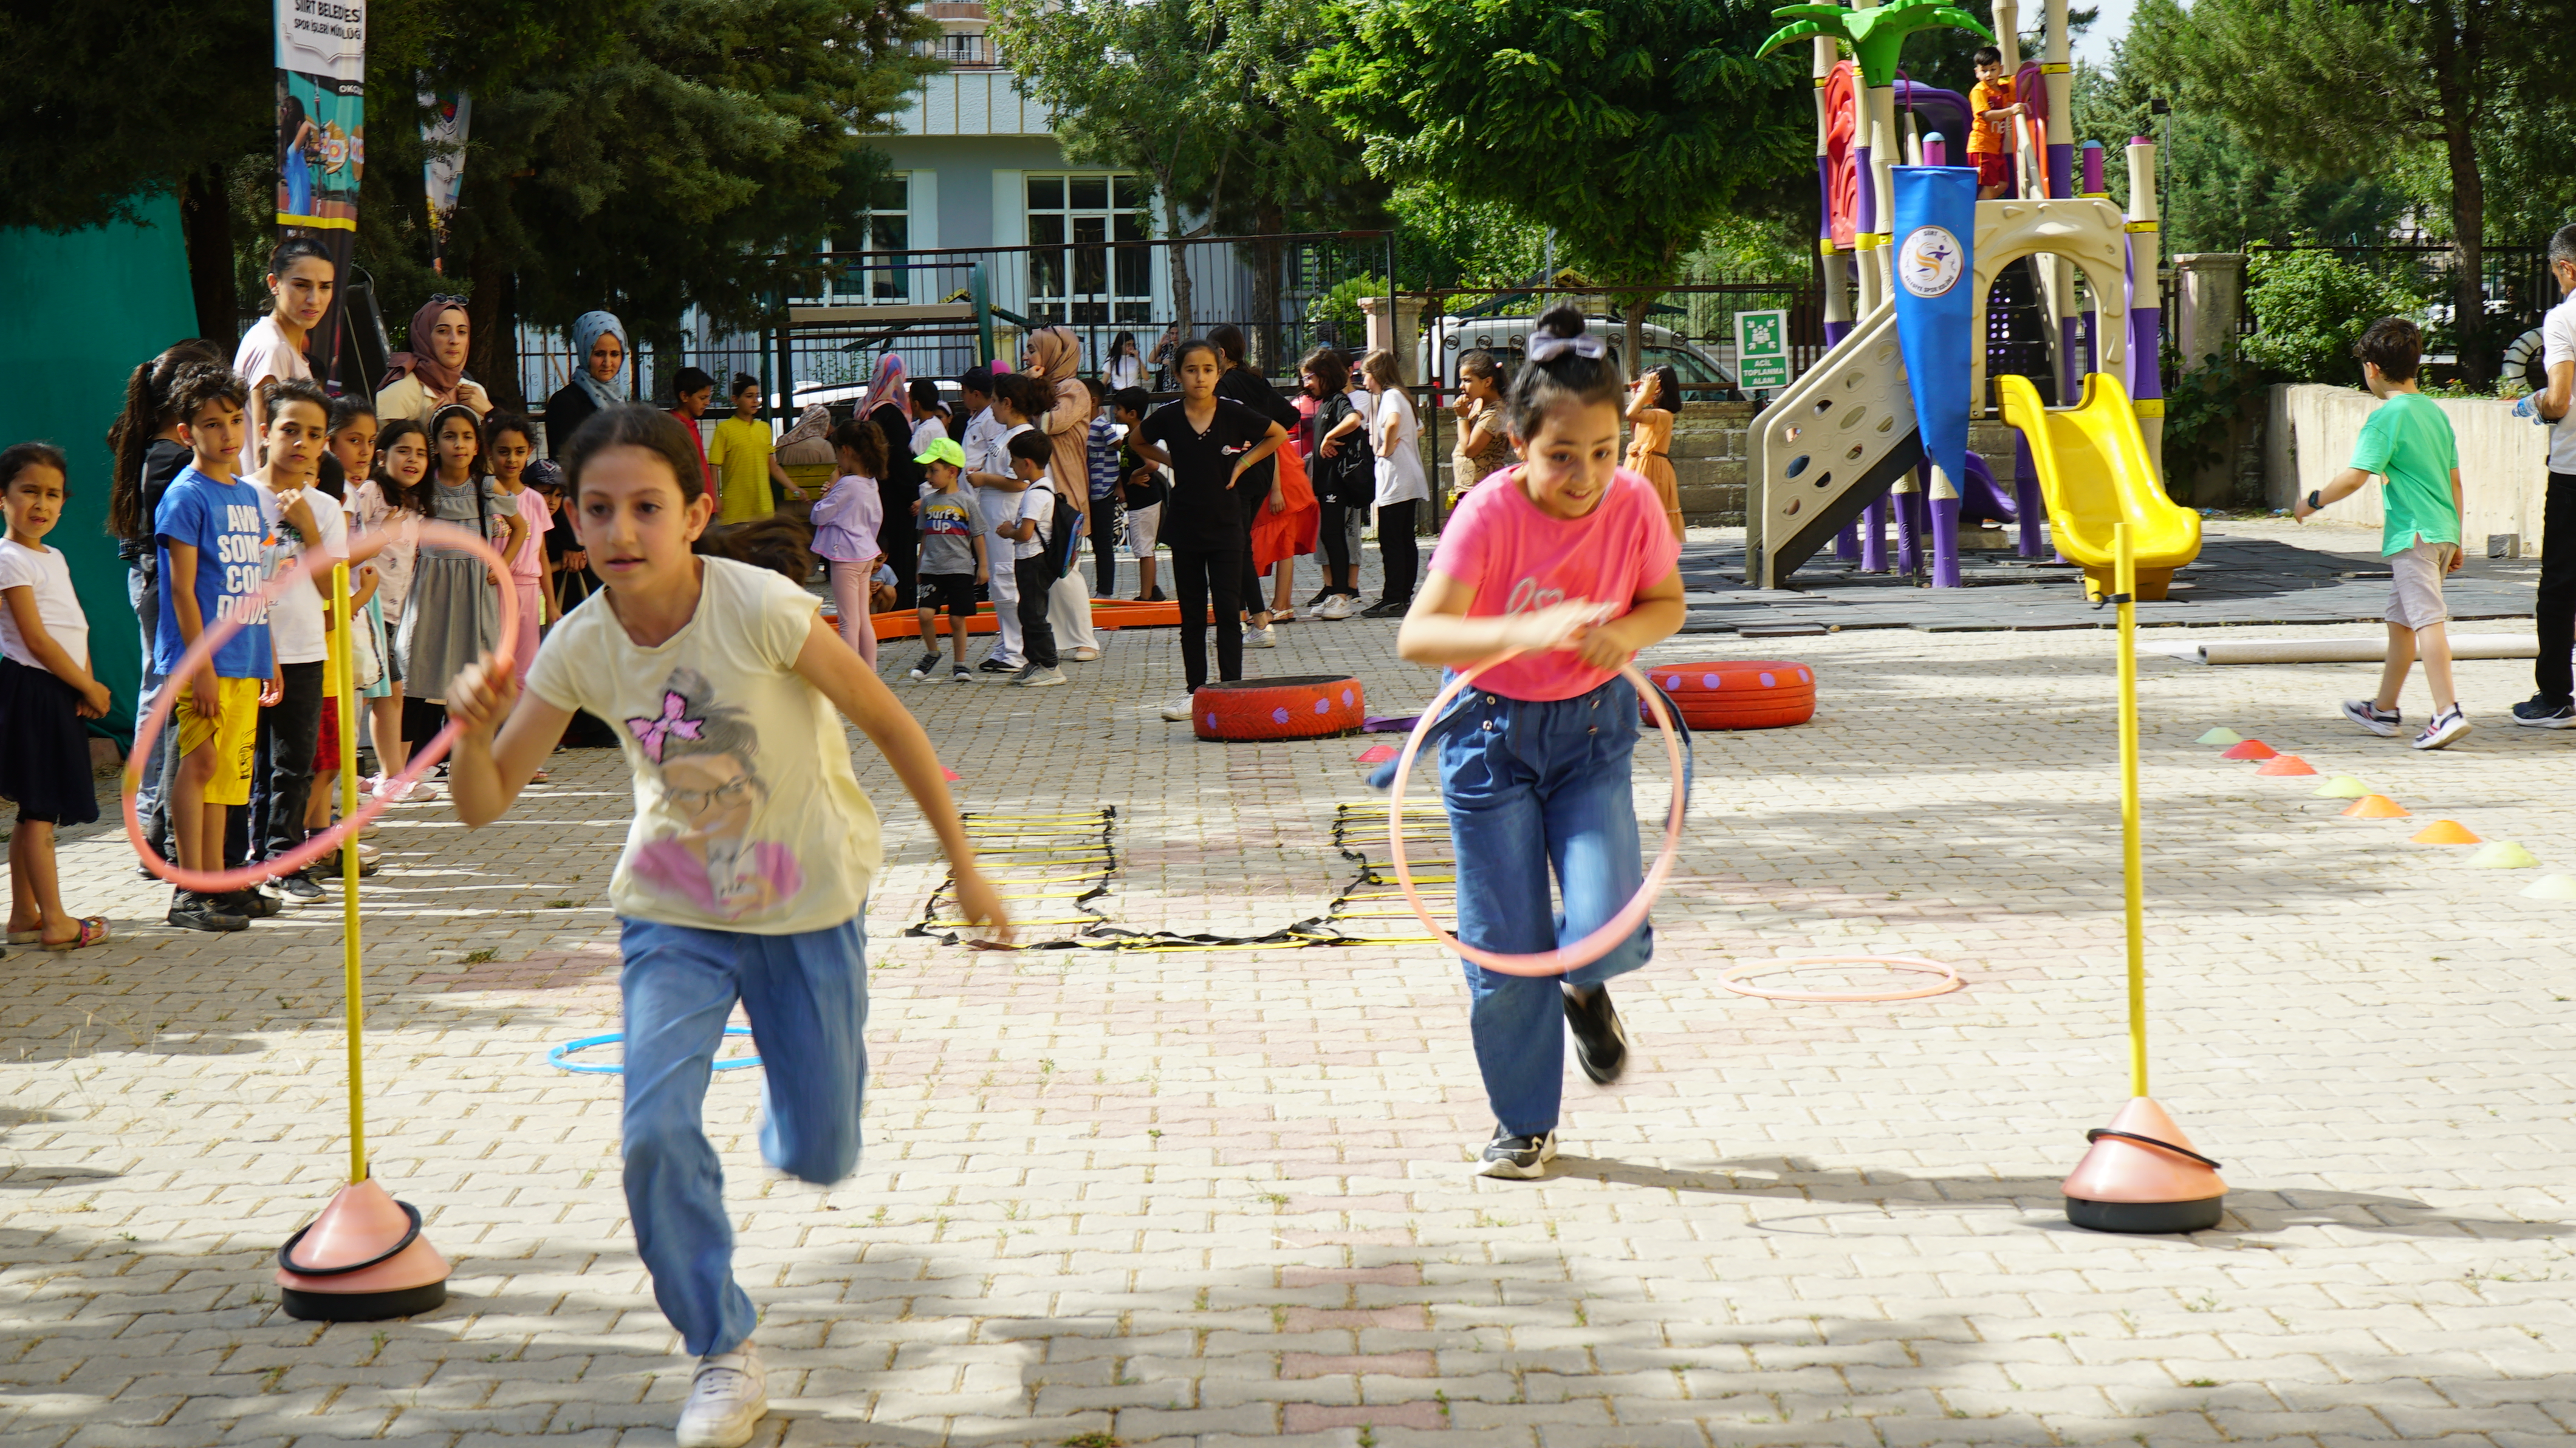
(2093, 473)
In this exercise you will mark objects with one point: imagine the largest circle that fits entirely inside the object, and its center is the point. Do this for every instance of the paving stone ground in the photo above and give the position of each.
(1217, 1197)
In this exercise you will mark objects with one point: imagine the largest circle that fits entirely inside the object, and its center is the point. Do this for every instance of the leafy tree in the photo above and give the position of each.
(1627, 128)
(2363, 83)
(2310, 307)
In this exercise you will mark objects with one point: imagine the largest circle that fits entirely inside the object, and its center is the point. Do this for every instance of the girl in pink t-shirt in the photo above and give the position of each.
(1566, 558)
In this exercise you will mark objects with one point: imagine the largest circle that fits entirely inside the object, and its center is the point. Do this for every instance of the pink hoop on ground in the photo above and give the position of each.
(146, 733)
(1949, 982)
(1612, 931)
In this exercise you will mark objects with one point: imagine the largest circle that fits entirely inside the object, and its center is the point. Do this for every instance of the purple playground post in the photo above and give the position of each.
(1945, 532)
(1909, 538)
(1936, 150)
(1873, 536)
(2026, 499)
(2146, 325)
(2061, 182)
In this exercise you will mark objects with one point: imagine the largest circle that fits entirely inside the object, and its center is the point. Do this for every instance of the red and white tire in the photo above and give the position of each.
(1304, 706)
(1738, 693)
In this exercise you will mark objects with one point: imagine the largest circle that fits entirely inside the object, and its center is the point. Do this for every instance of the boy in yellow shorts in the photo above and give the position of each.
(212, 533)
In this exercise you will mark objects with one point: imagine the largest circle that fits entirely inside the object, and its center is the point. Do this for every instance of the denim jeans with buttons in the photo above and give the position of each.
(1535, 788)
(807, 997)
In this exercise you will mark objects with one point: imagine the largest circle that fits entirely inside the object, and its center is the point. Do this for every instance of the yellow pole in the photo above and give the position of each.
(2124, 582)
(344, 685)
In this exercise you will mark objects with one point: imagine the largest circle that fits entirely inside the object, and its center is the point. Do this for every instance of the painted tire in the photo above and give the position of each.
(1303, 706)
(1739, 693)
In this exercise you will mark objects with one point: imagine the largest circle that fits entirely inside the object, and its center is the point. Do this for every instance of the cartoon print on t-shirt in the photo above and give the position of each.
(711, 786)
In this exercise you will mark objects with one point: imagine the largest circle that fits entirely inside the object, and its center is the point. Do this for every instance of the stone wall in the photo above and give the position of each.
(2504, 461)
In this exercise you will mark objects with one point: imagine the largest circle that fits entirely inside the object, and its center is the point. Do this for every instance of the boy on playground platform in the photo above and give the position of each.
(2407, 441)
(953, 560)
(1990, 131)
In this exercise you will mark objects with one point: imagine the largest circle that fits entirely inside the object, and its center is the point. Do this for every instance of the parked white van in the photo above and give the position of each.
(1508, 337)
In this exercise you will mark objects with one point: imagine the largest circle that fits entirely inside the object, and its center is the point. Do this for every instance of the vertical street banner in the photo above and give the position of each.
(443, 129)
(1936, 222)
(322, 143)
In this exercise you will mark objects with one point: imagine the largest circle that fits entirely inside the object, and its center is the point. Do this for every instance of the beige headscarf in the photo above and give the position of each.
(1059, 353)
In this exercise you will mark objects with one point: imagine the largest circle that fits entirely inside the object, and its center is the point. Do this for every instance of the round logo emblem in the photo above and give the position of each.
(1930, 261)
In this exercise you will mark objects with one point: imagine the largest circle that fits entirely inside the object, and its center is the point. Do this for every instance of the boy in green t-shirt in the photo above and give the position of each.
(2408, 442)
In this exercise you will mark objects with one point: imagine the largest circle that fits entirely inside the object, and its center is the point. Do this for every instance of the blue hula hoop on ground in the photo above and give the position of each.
(555, 1055)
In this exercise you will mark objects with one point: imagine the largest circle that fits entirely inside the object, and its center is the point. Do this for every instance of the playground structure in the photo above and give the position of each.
(1843, 447)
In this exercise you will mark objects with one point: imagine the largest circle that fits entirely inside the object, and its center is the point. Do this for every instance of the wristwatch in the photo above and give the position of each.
(2316, 499)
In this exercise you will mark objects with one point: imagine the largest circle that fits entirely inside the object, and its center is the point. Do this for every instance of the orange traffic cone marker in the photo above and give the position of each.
(2286, 764)
(2142, 1175)
(2444, 832)
(2250, 749)
(362, 1259)
(2376, 807)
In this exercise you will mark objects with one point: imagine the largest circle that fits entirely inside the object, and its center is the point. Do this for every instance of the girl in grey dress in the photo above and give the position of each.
(453, 617)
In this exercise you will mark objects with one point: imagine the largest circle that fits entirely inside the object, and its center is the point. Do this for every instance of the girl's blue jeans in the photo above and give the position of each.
(1535, 789)
(807, 996)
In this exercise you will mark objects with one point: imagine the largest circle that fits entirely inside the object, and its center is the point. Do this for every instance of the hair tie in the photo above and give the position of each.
(1547, 347)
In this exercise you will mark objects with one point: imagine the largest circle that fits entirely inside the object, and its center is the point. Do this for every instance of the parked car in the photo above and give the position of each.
(1508, 338)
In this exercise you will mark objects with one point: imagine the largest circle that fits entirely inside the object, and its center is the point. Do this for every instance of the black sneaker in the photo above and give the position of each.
(1388, 608)
(2537, 712)
(2368, 714)
(1599, 1043)
(192, 911)
(929, 665)
(992, 665)
(1517, 1158)
(960, 674)
(253, 904)
(1320, 595)
(298, 888)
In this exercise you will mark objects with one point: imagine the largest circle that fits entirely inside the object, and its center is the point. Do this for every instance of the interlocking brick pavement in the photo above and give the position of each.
(1220, 1197)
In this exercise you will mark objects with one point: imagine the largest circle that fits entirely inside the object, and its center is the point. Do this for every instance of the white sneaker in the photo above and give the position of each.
(1261, 638)
(1085, 656)
(1178, 711)
(1335, 608)
(727, 1399)
(2447, 727)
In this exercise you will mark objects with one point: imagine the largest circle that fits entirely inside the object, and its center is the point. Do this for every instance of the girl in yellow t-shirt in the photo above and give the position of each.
(740, 454)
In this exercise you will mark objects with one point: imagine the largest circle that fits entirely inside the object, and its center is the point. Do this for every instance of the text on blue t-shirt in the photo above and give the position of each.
(225, 524)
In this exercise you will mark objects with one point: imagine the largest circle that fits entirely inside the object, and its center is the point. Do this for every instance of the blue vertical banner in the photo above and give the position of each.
(322, 144)
(1935, 231)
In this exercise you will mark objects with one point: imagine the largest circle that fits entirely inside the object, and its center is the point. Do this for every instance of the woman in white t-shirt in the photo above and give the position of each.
(301, 282)
(1402, 488)
(1125, 368)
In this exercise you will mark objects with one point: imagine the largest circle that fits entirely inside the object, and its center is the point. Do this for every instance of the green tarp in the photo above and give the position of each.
(81, 310)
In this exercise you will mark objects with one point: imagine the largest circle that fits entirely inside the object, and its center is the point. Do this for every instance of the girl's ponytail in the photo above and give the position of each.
(1567, 366)
(867, 441)
(147, 411)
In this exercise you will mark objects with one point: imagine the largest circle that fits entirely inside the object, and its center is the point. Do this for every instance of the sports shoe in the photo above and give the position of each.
(2370, 716)
(1388, 608)
(1178, 711)
(1599, 1042)
(2447, 727)
(1336, 608)
(1261, 638)
(1517, 1158)
(993, 665)
(256, 903)
(1321, 594)
(298, 888)
(727, 1399)
(960, 674)
(1034, 677)
(929, 665)
(2537, 712)
(192, 911)
(1084, 656)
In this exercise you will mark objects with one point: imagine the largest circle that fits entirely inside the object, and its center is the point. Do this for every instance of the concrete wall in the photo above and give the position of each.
(2503, 459)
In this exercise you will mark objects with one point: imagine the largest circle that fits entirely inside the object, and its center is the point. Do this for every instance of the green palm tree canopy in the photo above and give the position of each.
(1875, 37)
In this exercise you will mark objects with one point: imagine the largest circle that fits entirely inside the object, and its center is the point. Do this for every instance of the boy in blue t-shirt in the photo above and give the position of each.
(213, 533)
(2407, 441)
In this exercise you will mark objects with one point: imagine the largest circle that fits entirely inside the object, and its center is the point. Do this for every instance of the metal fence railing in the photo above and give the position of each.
(2514, 280)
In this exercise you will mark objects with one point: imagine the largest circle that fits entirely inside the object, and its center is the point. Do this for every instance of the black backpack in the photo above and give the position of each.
(1349, 476)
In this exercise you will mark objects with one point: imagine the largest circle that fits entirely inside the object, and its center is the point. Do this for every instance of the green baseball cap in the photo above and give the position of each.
(944, 450)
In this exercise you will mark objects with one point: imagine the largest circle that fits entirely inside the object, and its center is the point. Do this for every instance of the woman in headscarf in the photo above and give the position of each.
(432, 374)
(1055, 357)
(889, 405)
(599, 350)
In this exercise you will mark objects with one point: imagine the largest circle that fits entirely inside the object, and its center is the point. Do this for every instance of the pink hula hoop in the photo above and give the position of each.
(220, 882)
(1612, 931)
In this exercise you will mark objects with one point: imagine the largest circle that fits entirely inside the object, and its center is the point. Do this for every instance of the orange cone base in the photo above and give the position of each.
(361, 1259)
(2150, 1218)
(2143, 1175)
(2250, 749)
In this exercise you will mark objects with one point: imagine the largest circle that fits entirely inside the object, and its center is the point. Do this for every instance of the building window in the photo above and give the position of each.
(1073, 275)
(884, 225)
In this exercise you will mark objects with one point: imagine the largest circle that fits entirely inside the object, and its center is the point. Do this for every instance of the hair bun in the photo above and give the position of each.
(1562, 321)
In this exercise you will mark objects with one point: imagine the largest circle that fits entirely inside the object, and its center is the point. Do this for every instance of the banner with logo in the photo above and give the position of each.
(322, 141)
(442, 142)
(1936, 222)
